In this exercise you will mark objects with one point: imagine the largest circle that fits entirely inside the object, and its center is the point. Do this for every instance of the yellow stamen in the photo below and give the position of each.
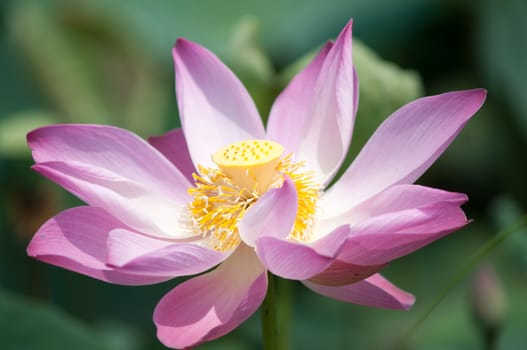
(308, 193)
(217, 207)
(247, 169)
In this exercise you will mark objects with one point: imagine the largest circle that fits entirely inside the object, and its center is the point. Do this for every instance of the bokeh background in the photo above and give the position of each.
(109, 62)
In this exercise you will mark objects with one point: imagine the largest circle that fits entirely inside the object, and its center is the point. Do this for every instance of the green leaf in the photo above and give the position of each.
(28, 324)
(248, 60)
(505, 211)
(503, 52)
(59, 69)
(13, 130)
(91, 67)
(383, 88)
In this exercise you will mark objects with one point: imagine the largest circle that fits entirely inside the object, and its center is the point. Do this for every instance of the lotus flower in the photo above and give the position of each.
(224, 191)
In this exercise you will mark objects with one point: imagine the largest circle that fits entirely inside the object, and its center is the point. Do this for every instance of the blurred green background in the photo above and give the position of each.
(110, 62)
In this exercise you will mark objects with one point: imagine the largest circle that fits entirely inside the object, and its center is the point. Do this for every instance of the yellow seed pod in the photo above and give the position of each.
(251, 164)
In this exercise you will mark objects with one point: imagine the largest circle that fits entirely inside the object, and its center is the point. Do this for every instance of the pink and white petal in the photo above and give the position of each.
(214, 107)
(174, 147)
(395, 222)
(211, 305)
(142, 254)
(315, 114)
(287, 119)
(109, 148)
(299, 261)
(404, 146)
(274, 214)
(390, 200)
(388, 237)
(148, 212)
(402, 197)
(76, 240)
(374, 291)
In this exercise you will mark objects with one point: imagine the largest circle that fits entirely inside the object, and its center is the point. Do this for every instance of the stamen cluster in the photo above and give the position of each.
(219, 202)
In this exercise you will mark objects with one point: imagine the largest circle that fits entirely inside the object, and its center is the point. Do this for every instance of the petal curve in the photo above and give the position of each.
(297, 260)
(146, 211)
(273, 214)
(109, 148)
(209, 306)
(390, 237)
(396, 222)
(374, 291)
(130, 251)
(393, 199)
(76, 240)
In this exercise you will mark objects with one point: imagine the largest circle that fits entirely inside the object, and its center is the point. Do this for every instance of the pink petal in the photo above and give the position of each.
(314, 116)
(174, 147)
(404, 146)
(211, 305)
(290, 110)
(375, 291)
(297, 260)
(267, 225)
(215, 108)
(390, 200)
(146, 255)
(398, 221)
(273, 214)
(390, 225)
(76, 240)
(131, 202)
(389, 237)
(109, 148)
(402, 197)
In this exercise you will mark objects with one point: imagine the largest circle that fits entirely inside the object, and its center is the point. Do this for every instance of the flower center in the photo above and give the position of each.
(247, 169)
(250, 164)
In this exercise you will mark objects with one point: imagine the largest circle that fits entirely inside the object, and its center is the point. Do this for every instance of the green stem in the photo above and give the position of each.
(467, 267)
(285, 305)
(491, 337)
(268, 314)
